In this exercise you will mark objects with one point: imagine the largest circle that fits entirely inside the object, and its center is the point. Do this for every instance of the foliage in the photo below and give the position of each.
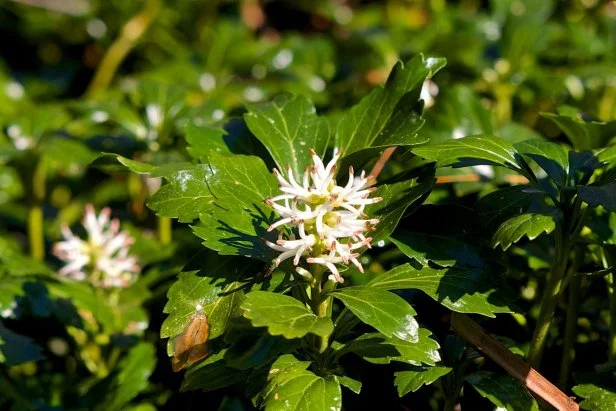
(487, 138)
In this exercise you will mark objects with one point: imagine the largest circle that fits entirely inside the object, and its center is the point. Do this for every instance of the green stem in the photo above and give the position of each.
(321, 304)
(550, 298)
(611, 289)
(164, 230)
(130, 35)
(573, 308)
(36, 235)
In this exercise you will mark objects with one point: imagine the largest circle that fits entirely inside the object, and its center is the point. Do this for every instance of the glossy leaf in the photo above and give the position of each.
(365, 124)
(529, 225)
(203, 139)
(379, 349)
(283, 315)
(462, 290)
(236, 222)
(604, 196)
(551, 157)
(289, 127)
(596, 397)
(503, 204)
(185, 196)
(397, 198)
(208, 284)
(585, 135)
(385, 311)
(292, 387)
(350, 383)
(474, 150)
(412, 380)
(503, 390)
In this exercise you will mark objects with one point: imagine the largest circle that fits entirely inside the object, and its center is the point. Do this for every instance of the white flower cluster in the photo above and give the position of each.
(327, 221)
(104, 258)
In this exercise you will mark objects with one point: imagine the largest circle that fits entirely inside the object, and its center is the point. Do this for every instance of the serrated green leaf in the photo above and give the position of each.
(236, 222)
(283, 315)
(407, 381)
(203, 139)
(16, 348)
(474, 150)
(185, 196)
(553, 158)
(502, 390)
(596, 398)
(289, 127)
(530, 225)
(365, 124)
(604, 196)
(443, 251)
(584, 135)
(397, 198)
(208, 284)
(293, 388)
(461, 290)
(379, 349)
(385, 311)
(350, 383)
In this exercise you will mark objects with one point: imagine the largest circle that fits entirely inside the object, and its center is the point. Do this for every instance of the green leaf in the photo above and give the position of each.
(407, 381)
(596, 397)
(502, 390)
(443, 251)
(289, 127)
(531, 225)
(385, 311)
(604, 196)
(383, 114)
(208, 284)
(293, 388)
(462, 290)
(186, 195)
(283, 315)
(397, 197)
(203, 139)
(236, 222)
(17, 349)
(350, 383)
(584, 135)
(378, 349)
(553, 158)
(212, 374)
(64, 153)
(134, 372)
(503, 204)
(607, 155)
(474, 150)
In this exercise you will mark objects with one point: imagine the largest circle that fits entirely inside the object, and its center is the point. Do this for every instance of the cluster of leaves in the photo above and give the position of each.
(499, 200)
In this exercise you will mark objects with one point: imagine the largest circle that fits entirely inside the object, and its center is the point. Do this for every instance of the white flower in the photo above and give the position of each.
(328, 222)
(104, 258)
